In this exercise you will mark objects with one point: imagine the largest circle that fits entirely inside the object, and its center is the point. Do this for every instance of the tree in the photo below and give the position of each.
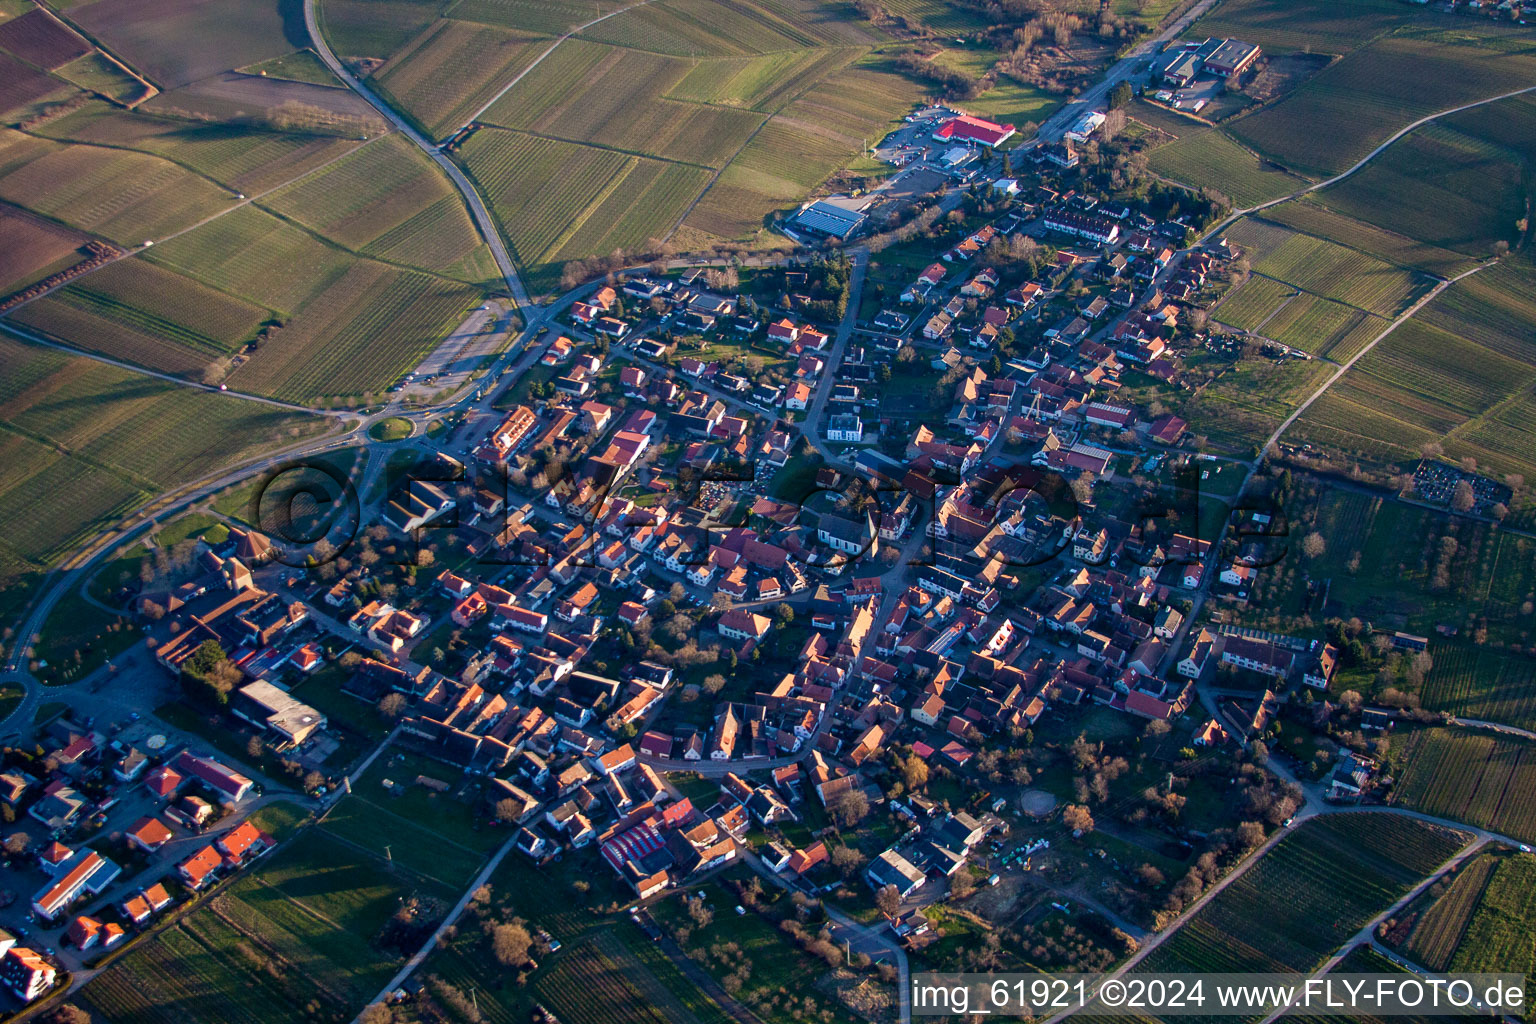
(392, 705)
(1463, 497)
(914, 773)
(376, 1013)
(17, 843)
(510, 944)
(783, 614)
(962, 883)
(847, 860)
(849, 808)
(69, 1013)
(508, 810)
(888, 900)
(714, 683)
(1120, 95)
(1077, 818)
(254, 748)
(1313, 545)
(312, 781)
(207, 676)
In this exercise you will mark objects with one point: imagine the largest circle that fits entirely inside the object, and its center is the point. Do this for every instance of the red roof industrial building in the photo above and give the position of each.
(973, 129)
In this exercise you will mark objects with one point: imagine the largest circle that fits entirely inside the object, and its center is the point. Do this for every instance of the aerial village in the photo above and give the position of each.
(874, 569)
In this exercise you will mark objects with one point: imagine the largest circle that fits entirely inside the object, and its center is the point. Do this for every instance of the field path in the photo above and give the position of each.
(472, 200)
(472, 118)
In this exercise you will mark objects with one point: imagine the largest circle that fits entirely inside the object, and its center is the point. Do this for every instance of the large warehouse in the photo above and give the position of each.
(973, 129)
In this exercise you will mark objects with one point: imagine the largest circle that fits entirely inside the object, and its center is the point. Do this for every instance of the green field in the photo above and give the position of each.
(1477, 683)
(1438, 929)
(84, 442)
(1470, 776)
(1311, 216)
(1345, 110)
(1331, 270)
(453, 69)
(1308, 894)
(1323, 327)
(1253, 302)
(295, 938)
(1207, 158)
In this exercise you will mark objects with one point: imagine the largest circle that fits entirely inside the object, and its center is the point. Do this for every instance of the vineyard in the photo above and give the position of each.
(1244, 405)
(454, 69)
(587, 985)
(551, 17)
(705, 28)
(119, 194)
(614, 97)
(367, 327)
(1468, 776)
(1440, 187)
(1348, 108)
(151, 301)
(1310, 216)
(244, 158)
(1502, 935)
(758, 83)
(375, 191)
(1310, 893)
(32, 248)
(1254, 302)
(1438, 931)
(125, 436)
(293, 938)
(1323, 327)
(1474, 682)
(39, 38)
(1206, 158)
(1336, 272)
(1314, 25)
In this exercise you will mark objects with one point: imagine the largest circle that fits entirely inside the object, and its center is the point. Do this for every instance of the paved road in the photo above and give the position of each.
(483, 219)
(1131, 66)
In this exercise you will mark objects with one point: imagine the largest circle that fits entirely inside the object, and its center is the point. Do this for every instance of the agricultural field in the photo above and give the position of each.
(1458, 374)
(1478, 683)
(1438, 929)
(1310, 216)
(296, 936)
(174, 46)
(1308, 894)
(1334, 271)
(135, 310)
(701, 28)
(1207, 158)
(1348, 108)
(242, 158)
(1391, 564)
(1439, 186)
(387, 200)
(31, 248)
(366, 328)
(452, 70)
(622, 201)
(85, 441)
(1465, 775)
(21, 84)
(1255, 301)
(1323, 328)
(95, 73)
(1241, 408)
(1502, 932)
(40, 39)
(1322, 26)
(124, 196)
(615, 98)
(549, 17)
